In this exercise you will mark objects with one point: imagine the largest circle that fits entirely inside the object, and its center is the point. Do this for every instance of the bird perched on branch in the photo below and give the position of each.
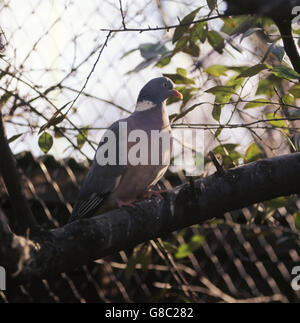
(119, 175)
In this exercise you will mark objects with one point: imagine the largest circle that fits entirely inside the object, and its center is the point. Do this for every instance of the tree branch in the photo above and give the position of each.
(290, 48)
(82, 241)
(8, 170)
(141, 30)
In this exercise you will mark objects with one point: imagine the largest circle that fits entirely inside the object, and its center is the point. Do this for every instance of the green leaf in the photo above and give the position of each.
(253, 70)
(211, 4)
(277, 123)
(238, 69)
(223, 94)
(4, 98)
(181, 71)
(252, 153)
(82, 136)
(235, 83)
(221, 89)
(216, 112)
(198, 31)
(186, 249)
(232, 159)
(224, 149)
(15, 137)
(278, 202)
(180, 30)
(287, 99)
(218, 132)
(192, 50)
(296, 216)
(295, 90)
(164, 61)
(181, 44)
(216, 41)
(45, 142)
(202, 31)
(285, 72)
(255, 103)
(266, 86)
(216, 70)
(179, 79)
(230, 22)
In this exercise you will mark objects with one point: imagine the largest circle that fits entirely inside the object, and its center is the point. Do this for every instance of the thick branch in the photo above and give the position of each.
(8, 170)
(85, 240)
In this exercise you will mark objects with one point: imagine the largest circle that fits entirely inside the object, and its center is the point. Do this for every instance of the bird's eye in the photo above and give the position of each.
(165, 84)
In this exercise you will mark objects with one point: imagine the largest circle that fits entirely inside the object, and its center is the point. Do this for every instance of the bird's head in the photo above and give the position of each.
(158, 90)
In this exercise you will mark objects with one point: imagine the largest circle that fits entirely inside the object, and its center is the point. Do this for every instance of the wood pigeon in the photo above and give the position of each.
(112, 185)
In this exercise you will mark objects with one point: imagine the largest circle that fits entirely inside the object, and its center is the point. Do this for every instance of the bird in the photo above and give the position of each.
(118, 184)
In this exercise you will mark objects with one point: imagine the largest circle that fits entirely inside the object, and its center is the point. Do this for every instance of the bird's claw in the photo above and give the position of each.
(149, 194)
(121, 204)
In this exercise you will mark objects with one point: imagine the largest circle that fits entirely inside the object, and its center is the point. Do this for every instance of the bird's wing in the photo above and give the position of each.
(100, 181)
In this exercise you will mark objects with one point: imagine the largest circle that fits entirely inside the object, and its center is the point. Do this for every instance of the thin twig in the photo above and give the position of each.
(141, 30)
(220, 169)
(122, 14)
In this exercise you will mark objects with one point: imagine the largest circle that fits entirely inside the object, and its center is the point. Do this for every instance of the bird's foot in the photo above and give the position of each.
(120, 203)
(149, 194)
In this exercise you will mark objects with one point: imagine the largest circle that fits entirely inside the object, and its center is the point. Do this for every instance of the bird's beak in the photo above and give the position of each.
(177, 94)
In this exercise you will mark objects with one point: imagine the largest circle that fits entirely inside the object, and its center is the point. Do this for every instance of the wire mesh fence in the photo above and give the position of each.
(50, 49)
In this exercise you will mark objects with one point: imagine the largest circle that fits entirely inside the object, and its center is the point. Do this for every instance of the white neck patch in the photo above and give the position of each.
(145, 105)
